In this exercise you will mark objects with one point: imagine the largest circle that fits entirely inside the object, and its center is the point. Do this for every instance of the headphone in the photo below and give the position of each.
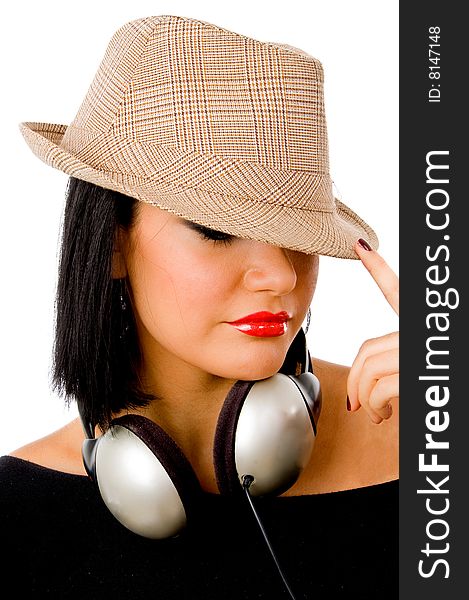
(265, 430)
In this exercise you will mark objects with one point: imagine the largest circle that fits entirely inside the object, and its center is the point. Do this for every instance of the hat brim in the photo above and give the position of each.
(331, 232)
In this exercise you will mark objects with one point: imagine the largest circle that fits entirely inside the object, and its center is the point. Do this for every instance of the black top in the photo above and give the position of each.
(58, 540)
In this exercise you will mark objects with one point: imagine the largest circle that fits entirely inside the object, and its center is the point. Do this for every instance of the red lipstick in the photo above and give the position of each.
(263, 324)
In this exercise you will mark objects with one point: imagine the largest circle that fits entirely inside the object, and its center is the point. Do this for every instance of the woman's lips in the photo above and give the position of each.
(263, 324)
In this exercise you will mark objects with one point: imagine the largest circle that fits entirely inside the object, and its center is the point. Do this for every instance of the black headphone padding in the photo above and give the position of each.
(224, 440)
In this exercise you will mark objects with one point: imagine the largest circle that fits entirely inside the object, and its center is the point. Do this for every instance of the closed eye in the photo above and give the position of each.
(211, 234)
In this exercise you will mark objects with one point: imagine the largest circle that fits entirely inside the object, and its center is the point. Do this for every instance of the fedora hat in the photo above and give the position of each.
(213, 126)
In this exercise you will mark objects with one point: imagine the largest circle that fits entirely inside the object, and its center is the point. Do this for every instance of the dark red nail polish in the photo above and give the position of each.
(348, 404)
(364, 244)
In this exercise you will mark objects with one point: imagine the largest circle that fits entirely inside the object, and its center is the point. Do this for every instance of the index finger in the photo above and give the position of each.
(387, 280)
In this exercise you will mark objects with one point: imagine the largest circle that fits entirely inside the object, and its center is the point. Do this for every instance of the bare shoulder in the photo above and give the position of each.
(350, 450)
(329, 372)
(60, 450)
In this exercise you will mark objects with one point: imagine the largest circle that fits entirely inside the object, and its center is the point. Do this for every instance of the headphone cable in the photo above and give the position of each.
(247, 481)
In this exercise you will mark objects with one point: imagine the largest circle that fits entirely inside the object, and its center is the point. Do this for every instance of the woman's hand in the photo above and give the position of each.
(373, 381)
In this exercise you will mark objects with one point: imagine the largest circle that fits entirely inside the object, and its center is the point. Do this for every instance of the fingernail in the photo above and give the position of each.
(364, 244)
(348, 404)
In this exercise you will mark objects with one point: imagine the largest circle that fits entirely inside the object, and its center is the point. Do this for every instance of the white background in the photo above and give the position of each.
(50, 51)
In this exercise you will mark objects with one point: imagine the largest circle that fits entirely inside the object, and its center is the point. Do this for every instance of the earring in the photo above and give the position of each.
(123, 307)
(308, 320)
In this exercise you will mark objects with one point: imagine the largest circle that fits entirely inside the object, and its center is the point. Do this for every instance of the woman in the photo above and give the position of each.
(198, 205)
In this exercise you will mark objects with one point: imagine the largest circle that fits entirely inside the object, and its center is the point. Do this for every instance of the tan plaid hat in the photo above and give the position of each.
(213, 126)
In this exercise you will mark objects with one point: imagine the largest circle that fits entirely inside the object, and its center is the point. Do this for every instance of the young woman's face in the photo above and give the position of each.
(187, 288)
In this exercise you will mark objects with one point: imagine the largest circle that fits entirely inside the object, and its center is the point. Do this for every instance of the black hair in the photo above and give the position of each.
(96, 358)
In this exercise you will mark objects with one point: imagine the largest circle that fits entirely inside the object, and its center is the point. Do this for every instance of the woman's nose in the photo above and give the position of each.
(270, 269)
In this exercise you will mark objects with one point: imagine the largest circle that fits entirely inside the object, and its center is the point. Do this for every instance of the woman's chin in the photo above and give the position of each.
(256, 372)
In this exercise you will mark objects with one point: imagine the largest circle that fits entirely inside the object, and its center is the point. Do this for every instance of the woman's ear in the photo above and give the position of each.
(119, 267)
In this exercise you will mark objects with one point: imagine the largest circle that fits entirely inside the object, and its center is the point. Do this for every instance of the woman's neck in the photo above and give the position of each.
(187, 405)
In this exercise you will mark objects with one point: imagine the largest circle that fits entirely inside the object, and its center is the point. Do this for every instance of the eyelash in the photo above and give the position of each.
(217, 237)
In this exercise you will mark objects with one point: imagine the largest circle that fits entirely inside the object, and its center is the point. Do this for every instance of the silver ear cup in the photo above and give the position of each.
(310, 388)
(275, 432)
(136, 487)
